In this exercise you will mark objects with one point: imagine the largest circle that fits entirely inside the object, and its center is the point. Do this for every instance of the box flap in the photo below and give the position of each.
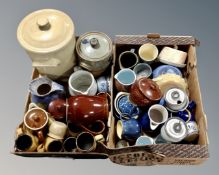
(155, 39)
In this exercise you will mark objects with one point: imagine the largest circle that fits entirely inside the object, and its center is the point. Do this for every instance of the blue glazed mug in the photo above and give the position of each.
(43, 90)
(128, 129)
(144, 121)
(124, 106)
(186, 115)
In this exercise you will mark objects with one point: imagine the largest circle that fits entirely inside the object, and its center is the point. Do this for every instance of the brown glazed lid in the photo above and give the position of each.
(149, 89)
(45, 31)
(35, 119)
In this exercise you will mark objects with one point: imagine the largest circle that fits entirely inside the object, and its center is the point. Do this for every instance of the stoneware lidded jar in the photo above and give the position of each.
(48, 37)
(95, 52)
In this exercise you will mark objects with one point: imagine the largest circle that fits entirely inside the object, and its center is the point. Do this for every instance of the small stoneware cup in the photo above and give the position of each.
(148, 52)
(128, 129)
(144, 140)
(142, 70)
(69, 145)
(53, 145)
(128, 59)
(157, 115)
(86, 142)
(122, 144)
(193, 131)
(103, 84)
(25, 141)
(57, 130)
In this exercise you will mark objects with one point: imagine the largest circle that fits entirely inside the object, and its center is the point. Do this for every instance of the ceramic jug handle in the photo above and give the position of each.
(40, 136)
(135, 112)
(33, 105)
(52, 62)
(124, 116)
(102, 124)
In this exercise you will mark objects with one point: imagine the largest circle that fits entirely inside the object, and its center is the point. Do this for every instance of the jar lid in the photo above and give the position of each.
(35, 119)
(94, 46)
(176, 129)
(149, 89)
(175, 96)
(45, 30)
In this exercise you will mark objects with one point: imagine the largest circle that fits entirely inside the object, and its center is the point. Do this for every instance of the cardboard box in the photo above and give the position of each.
(177, 154)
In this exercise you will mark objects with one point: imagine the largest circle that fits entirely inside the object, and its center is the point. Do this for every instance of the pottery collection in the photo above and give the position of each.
(76, 94)
(152, 105)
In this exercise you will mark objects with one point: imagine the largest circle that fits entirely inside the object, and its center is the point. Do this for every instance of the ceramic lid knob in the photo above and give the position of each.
(43, 24)
(94, 43)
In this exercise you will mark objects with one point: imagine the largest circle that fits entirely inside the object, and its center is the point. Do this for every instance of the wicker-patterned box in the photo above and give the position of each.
(181, 154)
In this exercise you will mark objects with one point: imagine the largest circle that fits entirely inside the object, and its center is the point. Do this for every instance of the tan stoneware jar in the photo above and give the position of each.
(48, 37)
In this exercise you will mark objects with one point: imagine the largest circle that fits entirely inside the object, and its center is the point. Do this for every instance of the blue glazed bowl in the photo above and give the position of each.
(166, 69)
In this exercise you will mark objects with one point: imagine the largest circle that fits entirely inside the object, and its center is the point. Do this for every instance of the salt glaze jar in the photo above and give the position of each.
(95, 52)
(145, 92)
(48, 37)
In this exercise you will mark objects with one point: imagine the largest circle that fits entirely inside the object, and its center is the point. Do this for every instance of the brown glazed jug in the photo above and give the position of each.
(81, 109)
(145, 92)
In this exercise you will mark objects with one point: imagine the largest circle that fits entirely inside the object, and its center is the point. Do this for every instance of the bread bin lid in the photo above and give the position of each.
(45, 30)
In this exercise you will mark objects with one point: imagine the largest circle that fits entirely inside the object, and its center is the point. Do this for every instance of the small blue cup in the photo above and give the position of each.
(128, 129)
(126, 107)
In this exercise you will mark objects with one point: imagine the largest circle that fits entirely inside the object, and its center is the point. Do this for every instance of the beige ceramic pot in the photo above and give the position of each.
(95, 52)
(48, 37)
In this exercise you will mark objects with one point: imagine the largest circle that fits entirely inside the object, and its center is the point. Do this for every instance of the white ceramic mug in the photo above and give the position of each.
(57, 130)
(157, 115)
(82, 83)
(148, 52)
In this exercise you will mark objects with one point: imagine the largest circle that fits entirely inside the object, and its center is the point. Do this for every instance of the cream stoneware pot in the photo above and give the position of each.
(48, 37)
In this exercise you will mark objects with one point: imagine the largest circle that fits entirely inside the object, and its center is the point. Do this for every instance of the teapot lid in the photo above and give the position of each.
(176, 128)
(175, 96)
(45, 30)
(94, 46)
(149, 89)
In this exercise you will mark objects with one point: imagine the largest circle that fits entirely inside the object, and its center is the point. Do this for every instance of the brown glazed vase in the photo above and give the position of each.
(145, 92)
